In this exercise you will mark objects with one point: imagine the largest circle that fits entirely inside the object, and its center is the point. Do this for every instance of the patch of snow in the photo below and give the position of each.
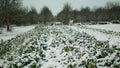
(16, 31)
(113, 40)
(111, 27)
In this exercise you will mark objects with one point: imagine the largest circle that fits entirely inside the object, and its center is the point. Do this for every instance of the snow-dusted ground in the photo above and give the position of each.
(16, 31)
(113, 40)
(61, 47)
(112, 27)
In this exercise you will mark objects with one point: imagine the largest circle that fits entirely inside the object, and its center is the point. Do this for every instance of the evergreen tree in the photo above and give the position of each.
(32, 16)
(65, 14)
(85, 14)
(45, 15)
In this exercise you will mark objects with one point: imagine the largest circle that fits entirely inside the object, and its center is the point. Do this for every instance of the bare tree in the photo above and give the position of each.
(7, 9)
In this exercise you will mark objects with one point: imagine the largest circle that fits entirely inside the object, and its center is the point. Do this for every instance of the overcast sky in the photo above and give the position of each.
(56, 5)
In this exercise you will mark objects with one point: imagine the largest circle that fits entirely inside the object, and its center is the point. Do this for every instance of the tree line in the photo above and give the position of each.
(111, 11)
(13, 12)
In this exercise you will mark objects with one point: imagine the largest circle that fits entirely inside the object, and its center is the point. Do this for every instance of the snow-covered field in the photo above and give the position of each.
(112, 27)
(61, 46)
(101, 34)
(16, 31)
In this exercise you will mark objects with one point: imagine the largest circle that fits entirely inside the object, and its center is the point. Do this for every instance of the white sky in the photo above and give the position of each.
(57, 5)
